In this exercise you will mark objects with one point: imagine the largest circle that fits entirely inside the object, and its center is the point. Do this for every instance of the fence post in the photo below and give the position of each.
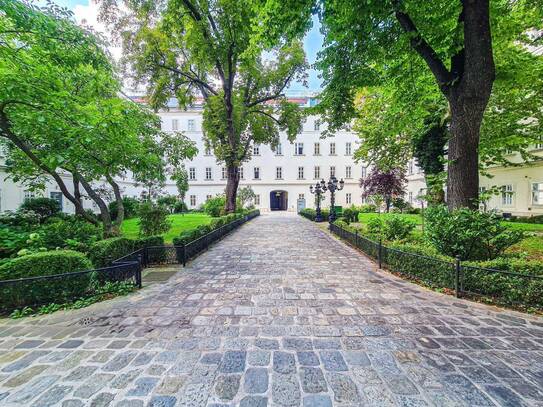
(457, 271)
(356, 238)
(138, 271)
(184, 253)
(379, 253)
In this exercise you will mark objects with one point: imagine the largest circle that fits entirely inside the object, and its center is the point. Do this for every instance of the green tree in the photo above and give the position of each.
(374, 43)
(189, 48)
(181, 178)
(60, 113)
(246, 195)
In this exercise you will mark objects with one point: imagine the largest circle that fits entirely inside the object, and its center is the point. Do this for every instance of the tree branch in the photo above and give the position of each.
(419, 44)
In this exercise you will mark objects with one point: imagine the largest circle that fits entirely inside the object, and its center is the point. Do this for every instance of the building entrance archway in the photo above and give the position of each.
(278, 200)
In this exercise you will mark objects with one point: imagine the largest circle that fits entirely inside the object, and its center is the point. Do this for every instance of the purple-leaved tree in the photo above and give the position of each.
(384, 185)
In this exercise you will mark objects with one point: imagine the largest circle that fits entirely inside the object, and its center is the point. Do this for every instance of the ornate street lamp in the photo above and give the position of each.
(333, 186)
(318, 191)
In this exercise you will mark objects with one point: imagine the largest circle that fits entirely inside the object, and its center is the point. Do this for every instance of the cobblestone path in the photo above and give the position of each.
(277, 314)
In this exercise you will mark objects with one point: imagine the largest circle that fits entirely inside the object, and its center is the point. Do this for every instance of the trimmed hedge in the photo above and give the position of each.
(188, 236)
(506, 287)
(44, 264)
(426, 264)
(312, 213)
(104, 252)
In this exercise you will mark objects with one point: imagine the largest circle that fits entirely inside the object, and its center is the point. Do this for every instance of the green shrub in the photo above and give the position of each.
(368, 208)
(44, 207)
(215, 205)
(506, 288)
(472, 235)
(153, 219)
(131, 207)
(168, 201)
(148, 241)
(44, 291)
(69, 232)
(426, 264)
(104, 252)
(23, 220)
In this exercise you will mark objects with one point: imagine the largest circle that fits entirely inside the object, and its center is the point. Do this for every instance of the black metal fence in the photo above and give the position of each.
(463, 278)
(60, 288)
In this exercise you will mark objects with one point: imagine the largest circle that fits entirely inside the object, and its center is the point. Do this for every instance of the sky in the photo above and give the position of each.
(87, 10)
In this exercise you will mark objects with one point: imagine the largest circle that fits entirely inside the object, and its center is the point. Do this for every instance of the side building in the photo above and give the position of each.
(519, 188)
(280, 178)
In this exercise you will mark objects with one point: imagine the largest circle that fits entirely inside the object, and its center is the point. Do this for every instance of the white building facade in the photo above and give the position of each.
(279, 178)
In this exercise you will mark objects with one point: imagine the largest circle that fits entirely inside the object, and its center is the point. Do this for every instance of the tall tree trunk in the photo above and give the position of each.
(107, 224)
(463, 170)
(231, 188)
(468, 100)
(77, 195)
(120, 205)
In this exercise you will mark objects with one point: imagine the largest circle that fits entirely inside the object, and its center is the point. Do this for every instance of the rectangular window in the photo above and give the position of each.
(348, 172)
(208, 151)
(332, 148)
(278, 173)
(190, 125)
(241, 176)
(279, 149)
(317, 125)
(298, 148)
(537, 193)
(208, 197)
(256, 149)
(256, 172)
(257, 199)
(301, 196)
(348, 198)
(410, 197)
(364, 172)
(208, 174)
(224, 173)
(193, 200)
(317, 172)
(317, 149)
(192, 174)
(300, 172)
(539, 144)
(57, 196)
(348, 148)
(175, 124)
(410, 168)
(507, 194)
(332, 171)
(29, 195)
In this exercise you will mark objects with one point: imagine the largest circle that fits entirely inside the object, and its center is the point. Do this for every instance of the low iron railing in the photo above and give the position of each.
(60, 288)
(463, 278)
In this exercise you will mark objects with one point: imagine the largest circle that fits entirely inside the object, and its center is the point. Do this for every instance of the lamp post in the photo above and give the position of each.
(333, 186)
(318, 191)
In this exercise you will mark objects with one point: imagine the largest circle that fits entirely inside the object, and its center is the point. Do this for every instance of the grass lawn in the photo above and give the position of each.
(180, 222)
(532, 246)
(527, 227)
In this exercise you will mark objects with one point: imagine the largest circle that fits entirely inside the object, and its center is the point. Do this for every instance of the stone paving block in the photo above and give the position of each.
(255, 380)
(102, 400)
(33, 389)
(227, 386)
(333, 361)
(258, 358)
(162, 401)
(285, 389)
(253, 401)
(307, 358)
(317, 400)
(284, 362)
(52, 396)
(345, 390)
(312, 380)
(233, 362)
(143, 386)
